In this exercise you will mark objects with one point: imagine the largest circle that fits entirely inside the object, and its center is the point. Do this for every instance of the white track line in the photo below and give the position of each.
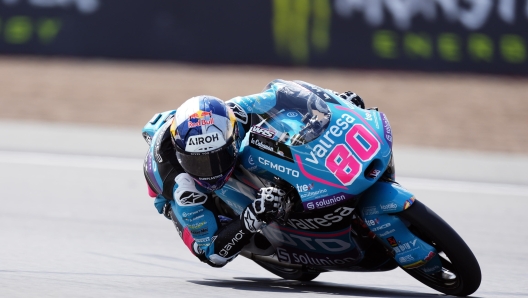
(136, 164)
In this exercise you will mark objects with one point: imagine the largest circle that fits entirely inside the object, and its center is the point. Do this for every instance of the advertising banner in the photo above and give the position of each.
(485, 36)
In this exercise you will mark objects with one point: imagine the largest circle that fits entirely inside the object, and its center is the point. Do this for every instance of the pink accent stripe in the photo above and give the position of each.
(361, 118)
(151, 193)
(246, 181)
(319, 235)
(188, 239)
(314, 178)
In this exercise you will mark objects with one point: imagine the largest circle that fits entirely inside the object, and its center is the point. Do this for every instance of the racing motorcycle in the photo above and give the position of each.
(343, 210)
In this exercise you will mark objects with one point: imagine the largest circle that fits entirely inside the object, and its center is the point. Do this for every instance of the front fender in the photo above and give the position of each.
(385, 198)
(378, 206)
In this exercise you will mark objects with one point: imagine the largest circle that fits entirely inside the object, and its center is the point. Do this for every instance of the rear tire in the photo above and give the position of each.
(452, 250)
(288, 273)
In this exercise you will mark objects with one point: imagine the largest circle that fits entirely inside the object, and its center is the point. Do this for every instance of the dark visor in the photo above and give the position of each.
(208, 164)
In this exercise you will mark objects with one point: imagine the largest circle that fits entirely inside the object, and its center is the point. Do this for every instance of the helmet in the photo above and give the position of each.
(204, 133)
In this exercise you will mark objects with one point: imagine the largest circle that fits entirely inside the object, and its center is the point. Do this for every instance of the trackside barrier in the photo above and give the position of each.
(485, 36)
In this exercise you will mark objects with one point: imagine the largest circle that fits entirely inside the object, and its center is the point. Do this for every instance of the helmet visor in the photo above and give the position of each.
(208, 164)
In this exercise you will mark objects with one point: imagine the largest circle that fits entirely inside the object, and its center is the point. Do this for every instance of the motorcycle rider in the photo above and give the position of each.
(193, 152)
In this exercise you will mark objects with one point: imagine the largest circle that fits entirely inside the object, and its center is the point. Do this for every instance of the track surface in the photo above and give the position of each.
(76, 222)
(475, 112)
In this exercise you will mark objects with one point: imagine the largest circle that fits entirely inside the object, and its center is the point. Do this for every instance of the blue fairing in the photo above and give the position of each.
(333, 153)
(337, 165)
(377, 207)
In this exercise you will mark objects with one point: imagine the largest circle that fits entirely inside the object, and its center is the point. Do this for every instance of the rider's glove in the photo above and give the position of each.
(268, 201)
(353, 98)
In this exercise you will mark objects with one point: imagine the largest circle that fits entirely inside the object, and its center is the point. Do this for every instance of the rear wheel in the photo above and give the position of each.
(452, 250)
(288, 273)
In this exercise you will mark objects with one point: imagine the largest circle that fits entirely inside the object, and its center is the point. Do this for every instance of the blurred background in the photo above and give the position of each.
(448, 73)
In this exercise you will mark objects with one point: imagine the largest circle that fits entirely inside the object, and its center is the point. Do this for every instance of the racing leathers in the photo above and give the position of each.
(211, 236)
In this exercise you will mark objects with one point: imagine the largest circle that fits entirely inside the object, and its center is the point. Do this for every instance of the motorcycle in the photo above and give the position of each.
(343, 210)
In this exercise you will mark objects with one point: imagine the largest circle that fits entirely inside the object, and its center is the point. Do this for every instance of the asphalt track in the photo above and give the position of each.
(76, 221)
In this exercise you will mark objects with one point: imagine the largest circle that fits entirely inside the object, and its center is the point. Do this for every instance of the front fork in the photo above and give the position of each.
(378, 208)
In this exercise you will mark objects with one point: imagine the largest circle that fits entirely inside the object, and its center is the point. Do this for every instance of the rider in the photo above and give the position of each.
(193, 152)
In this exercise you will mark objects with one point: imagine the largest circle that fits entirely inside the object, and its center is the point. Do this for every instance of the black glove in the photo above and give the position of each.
(267, 203)
(353, 98)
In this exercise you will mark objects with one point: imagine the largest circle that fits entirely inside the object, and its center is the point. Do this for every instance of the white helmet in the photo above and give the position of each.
(204, 133)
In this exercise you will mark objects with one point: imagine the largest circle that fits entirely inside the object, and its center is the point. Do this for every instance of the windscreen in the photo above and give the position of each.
(298, 116)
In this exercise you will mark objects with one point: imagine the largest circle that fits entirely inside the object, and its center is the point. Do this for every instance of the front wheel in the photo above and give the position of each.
(288, 273)
(452, 250)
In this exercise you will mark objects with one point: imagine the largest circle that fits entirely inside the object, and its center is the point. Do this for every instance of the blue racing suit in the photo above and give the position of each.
(212, 237)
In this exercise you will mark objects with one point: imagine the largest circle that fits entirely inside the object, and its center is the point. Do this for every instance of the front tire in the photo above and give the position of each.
(452, 250)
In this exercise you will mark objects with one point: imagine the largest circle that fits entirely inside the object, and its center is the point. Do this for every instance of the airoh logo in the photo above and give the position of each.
(204, 142)
(205, 139)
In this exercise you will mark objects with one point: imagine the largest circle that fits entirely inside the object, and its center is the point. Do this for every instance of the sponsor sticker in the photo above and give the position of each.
(191, 198)
(278, 167)
(392, 241)
(309, 259)
(371, 210)
(304, 187)
(292, 114)
(388, 207)
(371, 222)
(408, 203)
(204, 142)
(386, 129)
(200, 118)
(189, 214)
(381, 227)
(327, 201)
(263, 132)
(323, 221)
(368, 115)
(322, 146)
(240, 114)
(387, 233)
(408, 246)
(406, 259)
(271, 147)
(225, 250)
